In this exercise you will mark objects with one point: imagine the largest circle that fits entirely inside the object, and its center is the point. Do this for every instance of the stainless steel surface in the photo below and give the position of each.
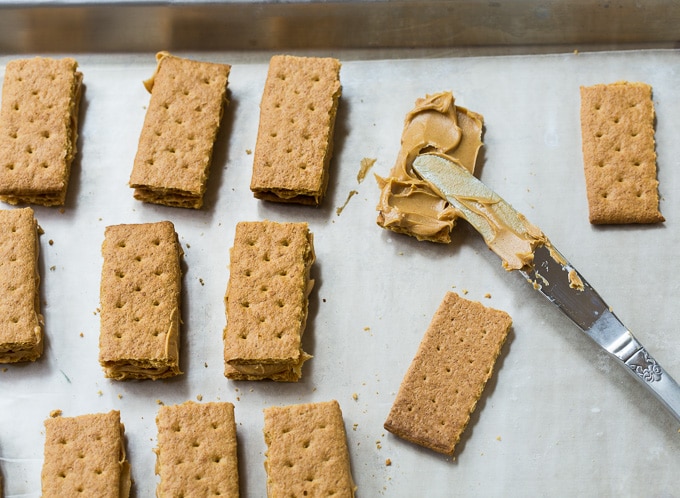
(41, 26)
(552, 276)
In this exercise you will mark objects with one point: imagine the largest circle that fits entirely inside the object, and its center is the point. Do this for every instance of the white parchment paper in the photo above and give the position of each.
(558, 417)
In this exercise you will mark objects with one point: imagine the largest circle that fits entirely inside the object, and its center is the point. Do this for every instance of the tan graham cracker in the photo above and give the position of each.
(21, 323)
(617, 130)
(267, 301)
(448, 373)
(85, 456)
(140, 301)
(196, 453)
(295, 136)
(38, 129)
(307, 451)
(175, 148)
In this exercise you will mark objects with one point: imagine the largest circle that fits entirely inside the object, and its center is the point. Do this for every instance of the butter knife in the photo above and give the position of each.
(523, 247)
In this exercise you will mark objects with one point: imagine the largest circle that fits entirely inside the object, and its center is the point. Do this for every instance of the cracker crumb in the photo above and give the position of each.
(487, 295)
(120, 396)
(354, 427)
(465, 291)
(249, 151)
(82, 335)
(100, 393)
(62, 210)
(52, 268)
(159, 402)
(388, 462)
(55, 413)
(51, 242)
(355, 396)
(498, 438)
(205, 365)
(199, 397)
(201, 281)
(366, 329)
(378, 444)
(5, 369)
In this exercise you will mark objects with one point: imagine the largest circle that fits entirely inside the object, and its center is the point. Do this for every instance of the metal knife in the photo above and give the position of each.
(549, 273)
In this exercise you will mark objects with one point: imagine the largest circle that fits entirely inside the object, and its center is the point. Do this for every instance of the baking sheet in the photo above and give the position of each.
(558, 417)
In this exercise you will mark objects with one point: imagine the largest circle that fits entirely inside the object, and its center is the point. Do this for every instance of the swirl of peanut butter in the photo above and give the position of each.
(409, 205)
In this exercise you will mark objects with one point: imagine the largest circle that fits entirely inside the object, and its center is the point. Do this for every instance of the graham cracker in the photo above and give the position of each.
(307, 451)
(448, 373)
(85, 456)
(196, 454)
(267, 301)
(181, 124)
(38, 129)
(295, 136)
(21, 324)
(617, 130)
(140, 301)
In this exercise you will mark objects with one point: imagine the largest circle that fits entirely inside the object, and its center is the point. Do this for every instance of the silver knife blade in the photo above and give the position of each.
(548, 272)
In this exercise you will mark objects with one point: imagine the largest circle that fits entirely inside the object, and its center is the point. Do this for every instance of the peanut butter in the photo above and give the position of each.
(407, 203)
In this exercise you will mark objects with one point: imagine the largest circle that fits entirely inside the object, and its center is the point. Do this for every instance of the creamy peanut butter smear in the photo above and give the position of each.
(507, 232)
(407, 203)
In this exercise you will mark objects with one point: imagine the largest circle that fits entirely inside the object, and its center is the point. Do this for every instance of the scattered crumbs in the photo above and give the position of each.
(575, 51)
(82, 335)
(366, 329)
(487, 295)
(100, 393)
(377, 444)
(498, 438)
(205, 364)
(5, 369)
(62, 210)
(51, 242)
(201, 281)
(354, 427)
(366, 164)
(251, 390)
(199, 397)
(52, 268)
(55, 413)
(351, 194)
(388, 462)
(188, 245)
(355, 396)
(314, 390)
(323, 300)
(400, 253)
(159, 402)
(236, 389)
(465, 291)
(238, 398)
(100, 219)
(248, 151)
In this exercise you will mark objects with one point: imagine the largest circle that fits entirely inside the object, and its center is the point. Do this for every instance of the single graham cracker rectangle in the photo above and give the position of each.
(617, 130)
(267, 300)
(21, 323)
(446, 378)
(38, 129)
(140, 301)
(196, 453)
(307, 451)
(85, 456)
(175, 148)
(295, 136)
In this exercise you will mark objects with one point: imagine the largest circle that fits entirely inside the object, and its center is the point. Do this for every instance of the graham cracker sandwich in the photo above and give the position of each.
(85, 456)
(21, 323)
(446, 378)
(295, 136)
(38, 129)
(196, 453)
(267, 301)
(175, 148)
(619, 160)
(140, 301)
(307, 451)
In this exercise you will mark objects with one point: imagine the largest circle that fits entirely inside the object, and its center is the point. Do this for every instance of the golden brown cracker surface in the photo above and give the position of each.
(21, 324)
(307, 451)
(295, 135)
(196, 454)
(267, 300)
(38, 129)
(617, 130)
(140, 301)
(85, 456)
(181, 124)
(454, 361)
